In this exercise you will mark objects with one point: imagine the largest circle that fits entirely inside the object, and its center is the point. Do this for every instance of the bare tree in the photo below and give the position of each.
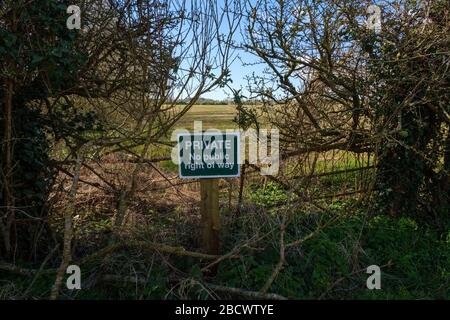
(313, 87)
(141, 66)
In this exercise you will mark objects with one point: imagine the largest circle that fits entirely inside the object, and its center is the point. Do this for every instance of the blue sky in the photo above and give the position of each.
(238, 75)
(238, 70)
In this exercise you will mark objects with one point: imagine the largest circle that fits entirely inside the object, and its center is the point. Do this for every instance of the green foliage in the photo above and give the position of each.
(43, 49)
(32, 174)
(414, 261)
(38, 53)
(270, 195)
(246, 116)
(72, 124)
(414, 149)
(420, 258)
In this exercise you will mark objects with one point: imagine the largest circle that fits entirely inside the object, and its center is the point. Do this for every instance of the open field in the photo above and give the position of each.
(213, 117)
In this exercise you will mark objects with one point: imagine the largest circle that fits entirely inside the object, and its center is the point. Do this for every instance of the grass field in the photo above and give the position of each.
(213, 117)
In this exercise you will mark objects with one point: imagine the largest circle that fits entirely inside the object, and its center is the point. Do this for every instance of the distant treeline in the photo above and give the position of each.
(205, 101)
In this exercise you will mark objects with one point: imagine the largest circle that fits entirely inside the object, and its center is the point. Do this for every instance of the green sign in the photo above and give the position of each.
(208, 155)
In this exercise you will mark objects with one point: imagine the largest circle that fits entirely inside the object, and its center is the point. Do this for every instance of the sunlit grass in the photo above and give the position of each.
(212, 116)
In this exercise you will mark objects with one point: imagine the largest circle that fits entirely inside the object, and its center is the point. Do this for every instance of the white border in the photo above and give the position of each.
(237, 134)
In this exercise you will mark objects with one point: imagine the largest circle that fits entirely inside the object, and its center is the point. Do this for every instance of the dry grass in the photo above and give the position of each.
(213, 117)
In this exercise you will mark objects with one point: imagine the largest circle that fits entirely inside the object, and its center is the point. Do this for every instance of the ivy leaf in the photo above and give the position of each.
(36, 59)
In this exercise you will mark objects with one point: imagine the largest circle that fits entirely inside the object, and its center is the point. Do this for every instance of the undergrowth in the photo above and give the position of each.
(414, 261)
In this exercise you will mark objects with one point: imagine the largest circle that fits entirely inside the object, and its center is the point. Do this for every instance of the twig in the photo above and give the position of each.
(282, 260)
(68, 232)
(230, 290)
(245, 293)
(40, 271)
(155, 247)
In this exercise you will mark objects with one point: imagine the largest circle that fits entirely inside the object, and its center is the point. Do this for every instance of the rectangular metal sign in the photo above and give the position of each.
(208, 155)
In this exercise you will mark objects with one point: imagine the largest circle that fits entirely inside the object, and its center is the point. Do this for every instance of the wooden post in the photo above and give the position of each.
(209, 189)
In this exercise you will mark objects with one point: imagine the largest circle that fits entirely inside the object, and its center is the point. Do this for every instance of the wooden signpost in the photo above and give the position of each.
(209, 156)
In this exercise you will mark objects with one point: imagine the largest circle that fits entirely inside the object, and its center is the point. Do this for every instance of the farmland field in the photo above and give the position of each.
(213, 117)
